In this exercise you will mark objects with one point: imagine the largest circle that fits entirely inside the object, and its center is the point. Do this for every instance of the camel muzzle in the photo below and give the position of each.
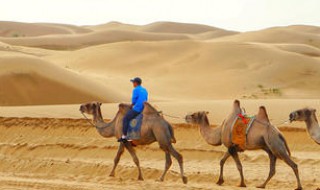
(292, 117)
(81, 109)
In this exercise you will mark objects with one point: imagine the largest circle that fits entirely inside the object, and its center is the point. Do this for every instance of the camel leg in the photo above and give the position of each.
(294, 167)
(117, 159)
(235, 156)
(179, 158)
(167, 166)
(222, 162)
(273, 160)
(135, 158)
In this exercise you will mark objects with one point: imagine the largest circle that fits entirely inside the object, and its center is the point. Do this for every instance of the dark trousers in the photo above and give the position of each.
(126, 120)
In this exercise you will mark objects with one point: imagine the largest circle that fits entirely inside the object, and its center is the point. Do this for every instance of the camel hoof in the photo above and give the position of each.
(220, 182)
(185, 179)
(242, 185)
(300, 188)
(160, 180)
(261, 186)
(111, 175)
(140, 178)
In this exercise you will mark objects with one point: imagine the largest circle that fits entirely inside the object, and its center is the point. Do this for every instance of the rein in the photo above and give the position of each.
(175, 117)
(269, 123)
(88, 120)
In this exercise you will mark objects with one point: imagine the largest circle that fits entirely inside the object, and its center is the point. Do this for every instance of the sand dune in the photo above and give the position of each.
(77, 41)
(300, 49)
(236, 66)
(161, 27)
(110, 33)
(213, 34)
(172, 27)
(27, 80)
(292, 35)
(18, 29)
(113, 26)
(276, 71)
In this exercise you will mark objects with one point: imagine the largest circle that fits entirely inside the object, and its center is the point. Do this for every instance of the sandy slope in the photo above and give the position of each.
(160, 27)
(176, 61)
(106, 33)
(206, 69)
(172, 27)
(292, 35)
(30, 80)
(18, 29)
(69, 154)
(77, 41)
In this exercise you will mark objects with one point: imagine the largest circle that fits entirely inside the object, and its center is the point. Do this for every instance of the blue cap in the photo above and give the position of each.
(137, 80)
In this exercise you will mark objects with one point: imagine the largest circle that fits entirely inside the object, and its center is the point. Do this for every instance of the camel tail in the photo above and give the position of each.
(173, 138)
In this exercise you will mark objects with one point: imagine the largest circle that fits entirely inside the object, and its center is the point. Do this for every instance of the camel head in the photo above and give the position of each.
(302, 114)
(89, 108)
(197, 117)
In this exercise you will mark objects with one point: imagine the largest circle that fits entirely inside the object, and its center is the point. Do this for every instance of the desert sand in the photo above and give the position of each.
(47, 70)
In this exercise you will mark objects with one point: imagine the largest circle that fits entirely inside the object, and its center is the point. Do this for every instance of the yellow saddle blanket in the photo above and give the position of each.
(240, 130)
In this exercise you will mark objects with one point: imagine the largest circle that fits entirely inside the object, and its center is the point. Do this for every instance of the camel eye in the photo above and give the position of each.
(299, 113)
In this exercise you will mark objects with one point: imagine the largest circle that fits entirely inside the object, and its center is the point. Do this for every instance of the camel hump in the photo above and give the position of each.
(149, 109)
(236, 103)
(262, 114)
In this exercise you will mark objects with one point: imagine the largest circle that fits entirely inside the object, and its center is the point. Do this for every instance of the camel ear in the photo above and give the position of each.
(262, 114)
(236, 104)
(207, 112)
(99, 103)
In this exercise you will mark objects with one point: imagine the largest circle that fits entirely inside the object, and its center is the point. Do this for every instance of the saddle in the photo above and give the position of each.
(134, 131)
(240, 129)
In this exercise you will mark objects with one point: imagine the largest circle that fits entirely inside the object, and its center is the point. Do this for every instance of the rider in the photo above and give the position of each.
(139, 96)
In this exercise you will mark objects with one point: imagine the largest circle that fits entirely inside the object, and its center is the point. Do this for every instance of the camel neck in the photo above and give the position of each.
(103, 128)
(97, 116)
(312, 122)
(313, 128)
(211, 135)
(106, 129)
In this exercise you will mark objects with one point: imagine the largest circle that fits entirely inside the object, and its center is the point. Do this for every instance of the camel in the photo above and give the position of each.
(154, 128)
(308, 115)
(262, 135)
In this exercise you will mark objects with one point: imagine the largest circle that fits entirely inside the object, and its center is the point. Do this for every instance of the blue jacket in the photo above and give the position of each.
(139, 96)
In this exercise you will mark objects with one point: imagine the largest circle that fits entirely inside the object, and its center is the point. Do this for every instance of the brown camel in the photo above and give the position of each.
(308, 115)
(262, 135)
(154, 128)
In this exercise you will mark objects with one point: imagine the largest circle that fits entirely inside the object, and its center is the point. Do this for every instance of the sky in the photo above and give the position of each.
(239, 15)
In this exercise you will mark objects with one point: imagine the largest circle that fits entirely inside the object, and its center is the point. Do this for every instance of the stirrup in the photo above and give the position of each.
(123, 140)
